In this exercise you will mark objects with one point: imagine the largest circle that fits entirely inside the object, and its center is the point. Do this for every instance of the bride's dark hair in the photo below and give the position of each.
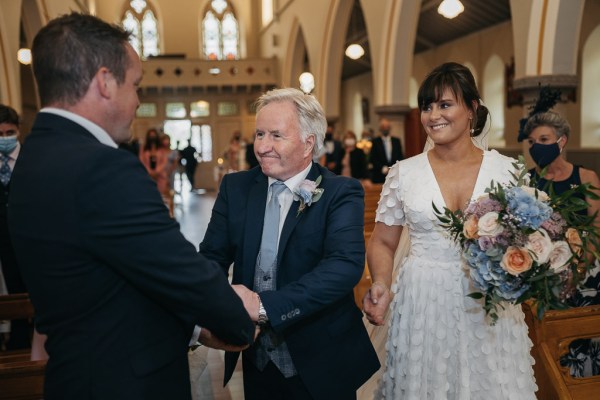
(460, 81)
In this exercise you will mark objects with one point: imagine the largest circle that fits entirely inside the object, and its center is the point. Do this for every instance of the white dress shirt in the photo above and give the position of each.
(286, 197)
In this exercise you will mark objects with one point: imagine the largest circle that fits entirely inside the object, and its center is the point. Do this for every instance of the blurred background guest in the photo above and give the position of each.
(188, 159)
(18, 334)
(354, 162)
(172, 157)
(547, 134)
(155, 160)
(385, 152)
(333, 151)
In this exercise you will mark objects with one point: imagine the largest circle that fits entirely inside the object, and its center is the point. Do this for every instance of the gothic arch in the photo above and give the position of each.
(394, 59)
(493, 95)
(590, 87)
(328, 79)
(294, 63)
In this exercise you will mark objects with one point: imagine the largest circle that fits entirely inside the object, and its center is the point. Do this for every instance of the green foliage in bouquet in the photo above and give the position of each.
(522, 243)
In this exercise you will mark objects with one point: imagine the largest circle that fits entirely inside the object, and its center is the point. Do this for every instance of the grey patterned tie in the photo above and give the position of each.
(270, 233)
(4, 169)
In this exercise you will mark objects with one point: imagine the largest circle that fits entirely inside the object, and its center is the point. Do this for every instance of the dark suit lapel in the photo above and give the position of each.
(292, 217)
(255, 215)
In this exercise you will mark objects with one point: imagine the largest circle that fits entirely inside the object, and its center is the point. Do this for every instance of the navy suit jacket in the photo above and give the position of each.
(114, 284)
(379, 160)
(320, 258)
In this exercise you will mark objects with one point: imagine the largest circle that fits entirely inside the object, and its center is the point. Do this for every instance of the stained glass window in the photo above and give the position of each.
(199, 108)
(146, 110)
(220, 31)
(140, 19)
(227, 108)
(175, 110)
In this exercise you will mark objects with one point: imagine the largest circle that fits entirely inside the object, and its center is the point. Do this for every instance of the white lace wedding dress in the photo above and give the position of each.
(440, 344)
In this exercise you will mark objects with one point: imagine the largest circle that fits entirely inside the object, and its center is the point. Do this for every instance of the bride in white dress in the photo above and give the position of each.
(440, 344)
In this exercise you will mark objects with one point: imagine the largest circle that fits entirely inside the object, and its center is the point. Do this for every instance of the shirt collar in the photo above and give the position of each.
(99, 133)
(295, 180)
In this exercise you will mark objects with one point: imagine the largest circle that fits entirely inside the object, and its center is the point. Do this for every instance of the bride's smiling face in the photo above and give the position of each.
(447, 119)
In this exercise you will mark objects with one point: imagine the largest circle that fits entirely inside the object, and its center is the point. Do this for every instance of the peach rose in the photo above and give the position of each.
(488, 225)
(560, 256)
(574, 240)
(516, 260)
(470, 227)
(540, 245)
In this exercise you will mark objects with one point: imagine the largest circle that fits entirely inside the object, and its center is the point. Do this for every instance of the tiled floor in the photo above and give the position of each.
(192, 211)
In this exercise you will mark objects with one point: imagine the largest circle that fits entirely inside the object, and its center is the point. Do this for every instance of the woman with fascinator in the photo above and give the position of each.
(440, 343)
(547, 134)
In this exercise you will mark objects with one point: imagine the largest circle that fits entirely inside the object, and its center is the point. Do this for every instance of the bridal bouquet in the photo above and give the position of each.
(521, 243)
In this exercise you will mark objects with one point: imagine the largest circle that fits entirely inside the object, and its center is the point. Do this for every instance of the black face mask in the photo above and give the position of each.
(328, 136)
(544, 154)
(385, 132)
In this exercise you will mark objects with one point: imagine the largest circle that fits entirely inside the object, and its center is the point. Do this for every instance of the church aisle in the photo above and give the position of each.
(192, 211)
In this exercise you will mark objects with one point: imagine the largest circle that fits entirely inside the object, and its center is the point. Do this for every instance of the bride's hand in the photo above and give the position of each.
(376, 302)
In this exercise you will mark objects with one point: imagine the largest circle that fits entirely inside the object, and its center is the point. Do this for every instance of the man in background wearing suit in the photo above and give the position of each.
(19, 335)
(294, 232)
(116, 288)
(385, 152)
(334, 152)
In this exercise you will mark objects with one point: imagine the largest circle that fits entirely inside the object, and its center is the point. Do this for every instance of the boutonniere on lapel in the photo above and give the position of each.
(308, 192)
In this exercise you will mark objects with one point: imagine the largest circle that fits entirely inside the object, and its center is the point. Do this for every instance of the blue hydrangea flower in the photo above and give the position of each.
(528, 210)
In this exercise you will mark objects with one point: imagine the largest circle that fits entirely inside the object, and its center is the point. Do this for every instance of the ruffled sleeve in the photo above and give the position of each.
(390, 209)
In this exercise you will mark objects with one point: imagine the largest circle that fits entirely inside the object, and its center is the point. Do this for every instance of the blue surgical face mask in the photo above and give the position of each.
(544, 154)
(7, 144)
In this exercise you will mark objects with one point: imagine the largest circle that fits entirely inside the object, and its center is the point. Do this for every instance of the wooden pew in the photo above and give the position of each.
(371, 199)
(20, 378)
(551, 337)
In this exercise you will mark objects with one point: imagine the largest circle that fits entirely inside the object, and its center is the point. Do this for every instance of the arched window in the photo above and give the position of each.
(267, 12)
(493, 96)
(140, 19)
(590, 85)
(220, 31)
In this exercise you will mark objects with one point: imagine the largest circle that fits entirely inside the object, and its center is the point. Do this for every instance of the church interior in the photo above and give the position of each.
(205, 62)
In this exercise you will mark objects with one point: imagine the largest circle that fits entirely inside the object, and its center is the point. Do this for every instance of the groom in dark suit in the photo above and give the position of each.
(116, 288)
(294, 233)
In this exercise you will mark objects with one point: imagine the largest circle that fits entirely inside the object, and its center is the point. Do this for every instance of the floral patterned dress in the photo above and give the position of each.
(440, 343)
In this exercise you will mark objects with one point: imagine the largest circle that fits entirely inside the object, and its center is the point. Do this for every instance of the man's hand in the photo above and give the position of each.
(210, 340)
(250, 300)
(376, 302)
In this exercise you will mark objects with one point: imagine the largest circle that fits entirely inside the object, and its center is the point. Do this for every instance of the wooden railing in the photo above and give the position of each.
(20, 378)
(551, 338)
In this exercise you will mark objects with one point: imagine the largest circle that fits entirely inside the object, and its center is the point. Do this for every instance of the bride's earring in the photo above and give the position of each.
(472, 130)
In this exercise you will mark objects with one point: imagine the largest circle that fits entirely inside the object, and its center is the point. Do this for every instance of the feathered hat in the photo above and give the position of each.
(547, 99)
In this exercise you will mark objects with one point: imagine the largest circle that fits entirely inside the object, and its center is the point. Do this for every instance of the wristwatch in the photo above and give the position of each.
(262, 313)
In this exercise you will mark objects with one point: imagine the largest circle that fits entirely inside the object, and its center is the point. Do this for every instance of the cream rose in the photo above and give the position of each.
(540, 245)
(516, 260)
(488, 225)
(574, 240)
(541, 195)
(560, 256)
(470, 228)
(483, 197)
